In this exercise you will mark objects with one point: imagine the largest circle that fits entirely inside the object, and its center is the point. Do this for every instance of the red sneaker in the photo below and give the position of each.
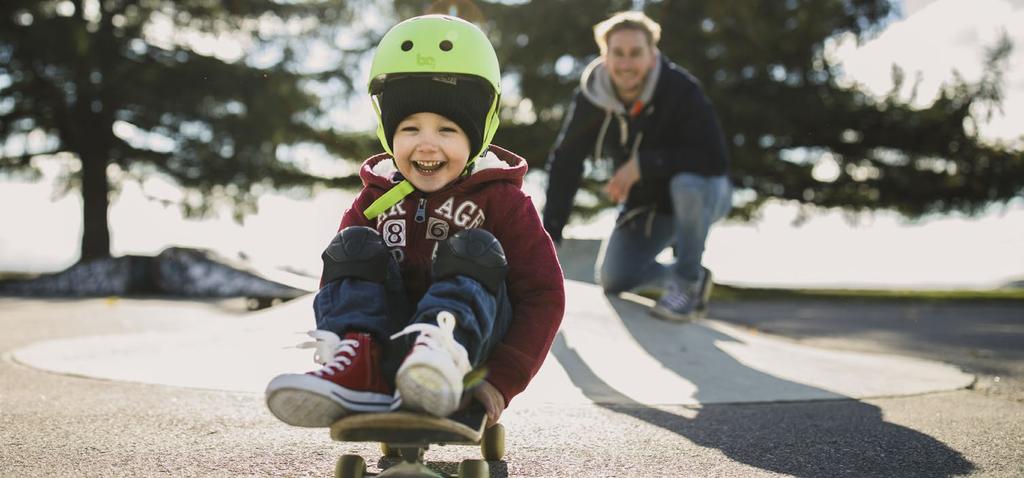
(349, 381)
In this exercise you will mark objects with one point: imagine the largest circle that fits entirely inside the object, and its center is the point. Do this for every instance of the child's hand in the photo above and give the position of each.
(492, 400)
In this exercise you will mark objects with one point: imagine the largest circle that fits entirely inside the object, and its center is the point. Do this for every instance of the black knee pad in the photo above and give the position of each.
(475, 253)
(357, 252)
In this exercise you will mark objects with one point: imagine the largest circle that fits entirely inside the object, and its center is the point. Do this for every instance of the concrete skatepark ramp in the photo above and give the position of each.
(608, 351)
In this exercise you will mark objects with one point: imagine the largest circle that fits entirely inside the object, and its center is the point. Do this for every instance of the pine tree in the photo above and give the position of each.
(782, 100)
(132, 88)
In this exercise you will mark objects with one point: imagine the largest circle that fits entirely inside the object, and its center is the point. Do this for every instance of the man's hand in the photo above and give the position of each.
(625, 177)
(492, 400)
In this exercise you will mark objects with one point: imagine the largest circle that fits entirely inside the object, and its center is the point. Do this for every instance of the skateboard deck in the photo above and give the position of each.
(408, 428)
(408, 435)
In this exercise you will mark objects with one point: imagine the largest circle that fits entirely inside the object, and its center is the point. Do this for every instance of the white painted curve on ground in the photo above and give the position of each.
(608, 350)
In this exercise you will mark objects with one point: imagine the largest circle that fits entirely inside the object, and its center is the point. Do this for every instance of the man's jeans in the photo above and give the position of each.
(629, 254)
(382, 309)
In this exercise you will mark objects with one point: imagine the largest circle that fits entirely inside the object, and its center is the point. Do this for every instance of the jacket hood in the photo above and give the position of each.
(499, 164)
(596, 85)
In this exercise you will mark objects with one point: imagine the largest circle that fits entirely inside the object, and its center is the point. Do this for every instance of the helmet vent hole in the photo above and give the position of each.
(407, 45)
(445, 45)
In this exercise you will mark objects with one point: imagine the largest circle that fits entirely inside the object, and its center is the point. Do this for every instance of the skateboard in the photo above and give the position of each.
(408, 435)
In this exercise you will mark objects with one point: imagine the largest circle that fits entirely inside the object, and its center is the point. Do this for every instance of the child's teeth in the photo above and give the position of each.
(428, 164)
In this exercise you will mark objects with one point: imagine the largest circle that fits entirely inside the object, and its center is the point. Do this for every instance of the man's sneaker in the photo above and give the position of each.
(349, 381)
(683, 302)
(430, 377)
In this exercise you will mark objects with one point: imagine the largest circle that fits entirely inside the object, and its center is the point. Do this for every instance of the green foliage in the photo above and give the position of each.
(137, 84)
(781, 100)
(134, 84)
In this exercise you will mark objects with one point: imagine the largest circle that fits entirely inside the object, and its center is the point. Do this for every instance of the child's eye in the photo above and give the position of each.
(409, 129)
(448, 129)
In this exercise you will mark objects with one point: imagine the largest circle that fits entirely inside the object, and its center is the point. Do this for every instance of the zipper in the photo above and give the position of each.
(421, 209)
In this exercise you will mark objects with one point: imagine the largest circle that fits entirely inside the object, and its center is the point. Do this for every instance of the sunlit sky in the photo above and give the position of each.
(42, 233)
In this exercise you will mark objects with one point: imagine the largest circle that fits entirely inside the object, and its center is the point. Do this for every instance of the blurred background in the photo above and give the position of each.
(874, 143)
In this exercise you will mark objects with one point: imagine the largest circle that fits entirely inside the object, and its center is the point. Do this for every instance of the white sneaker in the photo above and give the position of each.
(430, 378)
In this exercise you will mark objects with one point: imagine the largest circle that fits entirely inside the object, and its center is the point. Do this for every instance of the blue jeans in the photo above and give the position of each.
(382, 309)
(629, 254)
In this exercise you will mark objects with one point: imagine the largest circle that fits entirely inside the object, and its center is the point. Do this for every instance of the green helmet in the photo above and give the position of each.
(433, 44)
(437, 44)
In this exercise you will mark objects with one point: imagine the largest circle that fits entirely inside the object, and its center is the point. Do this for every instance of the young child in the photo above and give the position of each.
(441, 266)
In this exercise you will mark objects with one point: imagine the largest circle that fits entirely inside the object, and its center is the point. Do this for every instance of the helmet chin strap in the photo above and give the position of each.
(397, 193)
(394, 196)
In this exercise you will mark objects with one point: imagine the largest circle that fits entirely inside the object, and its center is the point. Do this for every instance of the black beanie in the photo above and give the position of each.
(465, 101)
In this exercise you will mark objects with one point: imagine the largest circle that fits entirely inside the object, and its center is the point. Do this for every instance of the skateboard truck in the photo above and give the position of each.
(408, 435)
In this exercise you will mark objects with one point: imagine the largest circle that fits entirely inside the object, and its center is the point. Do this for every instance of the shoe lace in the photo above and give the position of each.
(676, 299)
(439, 337)
(331, 351)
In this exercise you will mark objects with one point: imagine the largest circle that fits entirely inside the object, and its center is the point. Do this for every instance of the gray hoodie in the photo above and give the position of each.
(596, 85)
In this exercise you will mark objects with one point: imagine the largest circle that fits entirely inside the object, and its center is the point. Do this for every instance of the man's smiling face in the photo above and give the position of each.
(630, 57)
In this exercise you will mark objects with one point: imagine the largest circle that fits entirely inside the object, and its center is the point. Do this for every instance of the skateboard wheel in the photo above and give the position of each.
(474, 469)
(388, 451)
(492, 445)
(350, 466)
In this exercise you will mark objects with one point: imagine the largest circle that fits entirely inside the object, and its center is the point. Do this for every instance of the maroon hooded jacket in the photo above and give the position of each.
(492, 199)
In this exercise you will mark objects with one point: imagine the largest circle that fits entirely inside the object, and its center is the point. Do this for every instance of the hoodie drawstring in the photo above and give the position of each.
(650, 212)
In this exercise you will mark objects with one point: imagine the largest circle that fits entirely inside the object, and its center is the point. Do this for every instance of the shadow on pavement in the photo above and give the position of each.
(841, 437)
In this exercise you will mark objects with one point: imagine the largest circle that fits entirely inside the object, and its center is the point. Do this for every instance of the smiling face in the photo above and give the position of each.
(430, 150)
(630, 57)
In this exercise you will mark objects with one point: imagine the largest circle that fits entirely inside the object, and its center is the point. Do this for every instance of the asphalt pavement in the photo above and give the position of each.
(982, 338)
(582, 417)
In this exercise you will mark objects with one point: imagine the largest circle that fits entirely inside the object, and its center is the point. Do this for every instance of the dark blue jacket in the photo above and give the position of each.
(677, 129)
